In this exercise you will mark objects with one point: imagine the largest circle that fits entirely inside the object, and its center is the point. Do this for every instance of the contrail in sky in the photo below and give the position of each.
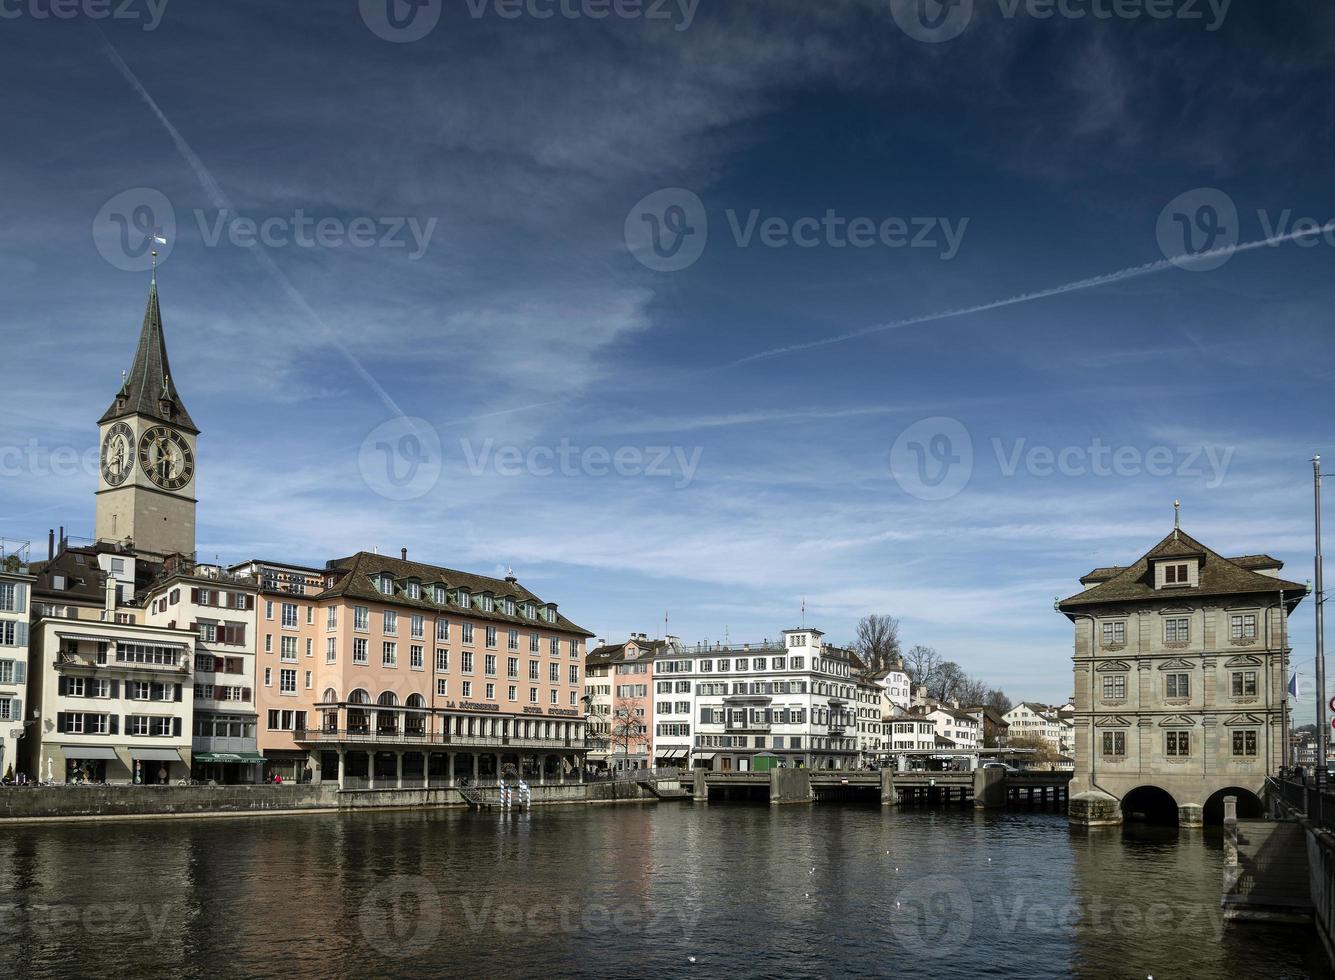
(1133, 272)
(220, 201)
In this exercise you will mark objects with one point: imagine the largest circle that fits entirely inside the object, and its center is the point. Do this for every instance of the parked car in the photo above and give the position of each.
(1000, 765)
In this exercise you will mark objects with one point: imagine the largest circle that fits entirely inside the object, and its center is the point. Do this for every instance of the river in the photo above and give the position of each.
(627, 891)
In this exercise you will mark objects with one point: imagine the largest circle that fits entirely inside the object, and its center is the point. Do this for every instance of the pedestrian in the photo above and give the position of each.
(162, 775)
(307, 776)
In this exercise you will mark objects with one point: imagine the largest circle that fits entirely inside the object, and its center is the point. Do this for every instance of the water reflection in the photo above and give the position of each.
(719, 890)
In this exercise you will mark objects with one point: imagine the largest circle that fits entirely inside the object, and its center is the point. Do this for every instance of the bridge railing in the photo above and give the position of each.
(1316, 802)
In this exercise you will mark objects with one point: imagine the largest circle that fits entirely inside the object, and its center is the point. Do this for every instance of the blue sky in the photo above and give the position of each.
(762, 459)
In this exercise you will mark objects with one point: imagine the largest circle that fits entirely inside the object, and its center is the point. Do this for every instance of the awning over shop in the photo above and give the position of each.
(88, 752)
(155, 755)
(672, 753)
(91, 637)
(247, 757)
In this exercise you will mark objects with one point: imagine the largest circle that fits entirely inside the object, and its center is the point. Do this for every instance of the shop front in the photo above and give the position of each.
(227, 768)
(92, 764)
(157, 767)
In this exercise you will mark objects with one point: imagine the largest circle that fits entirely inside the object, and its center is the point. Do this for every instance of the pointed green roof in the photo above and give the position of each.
(149, 388)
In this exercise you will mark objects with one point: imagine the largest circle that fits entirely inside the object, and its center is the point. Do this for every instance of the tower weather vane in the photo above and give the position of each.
(157, 240)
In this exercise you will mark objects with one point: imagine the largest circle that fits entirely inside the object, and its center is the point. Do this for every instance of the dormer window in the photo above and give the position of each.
(386, 584)
(486, 602)
(462, 597)
(413, 589)
(551, 612)
(438, 593)
(1175, 574)
(509, 607)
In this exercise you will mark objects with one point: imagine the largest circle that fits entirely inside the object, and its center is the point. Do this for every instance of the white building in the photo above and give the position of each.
(795, 700)
(962, 728)
(114, 693)
(219, 608)
(911, 733)
(15, 593)
(1028, 719)
(897, 686)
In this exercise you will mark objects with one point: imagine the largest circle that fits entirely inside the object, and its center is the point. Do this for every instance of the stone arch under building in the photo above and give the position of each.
(1150, 804)
(1250, 806)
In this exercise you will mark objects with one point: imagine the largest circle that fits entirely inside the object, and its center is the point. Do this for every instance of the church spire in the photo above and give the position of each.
(148, 389)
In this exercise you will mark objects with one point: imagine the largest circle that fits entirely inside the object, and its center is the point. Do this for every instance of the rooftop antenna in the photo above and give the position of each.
(804, 612)
(1177, 517)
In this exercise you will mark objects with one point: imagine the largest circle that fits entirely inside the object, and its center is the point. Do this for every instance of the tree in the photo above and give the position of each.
(996, 700)
(627, 731)
(877, 641)
(1044, 754)
(921, 664)
(947, 682)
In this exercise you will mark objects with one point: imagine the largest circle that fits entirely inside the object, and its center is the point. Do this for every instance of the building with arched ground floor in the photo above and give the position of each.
(1180, 664)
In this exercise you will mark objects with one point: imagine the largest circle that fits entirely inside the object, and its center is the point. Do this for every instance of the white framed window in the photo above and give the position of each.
(359, 650)
(331, 650)
(442, 660)
(287, 681)
(1177, 629)
(1243, 626)
(389, 654)
(391, 622)
(1177, 685)
(1242, 684)
(289, 615)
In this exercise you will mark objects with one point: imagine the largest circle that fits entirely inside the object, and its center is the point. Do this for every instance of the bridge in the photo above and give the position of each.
(1283, 868)
(986, 787)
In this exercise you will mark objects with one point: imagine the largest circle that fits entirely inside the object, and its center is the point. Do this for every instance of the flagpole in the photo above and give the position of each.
(1321, 733)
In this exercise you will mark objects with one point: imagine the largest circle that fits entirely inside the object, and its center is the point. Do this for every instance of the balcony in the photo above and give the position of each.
(68, 660)
(747, 726)
(391, 740)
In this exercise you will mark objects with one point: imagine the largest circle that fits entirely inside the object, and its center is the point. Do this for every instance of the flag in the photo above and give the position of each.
(159, 240)
(1293, 685)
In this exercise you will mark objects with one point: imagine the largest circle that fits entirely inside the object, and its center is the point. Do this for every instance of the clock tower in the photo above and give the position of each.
(146, 483)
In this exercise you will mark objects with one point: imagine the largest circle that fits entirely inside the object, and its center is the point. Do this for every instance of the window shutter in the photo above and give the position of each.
(60, 687)
(21, 634)
(20, 672)
(115, 727)
(60, 719)
(176, 726)
(245, 694)
(178, 697)
(20, 594)
(115, 689)
(16, 706)
(250, 602)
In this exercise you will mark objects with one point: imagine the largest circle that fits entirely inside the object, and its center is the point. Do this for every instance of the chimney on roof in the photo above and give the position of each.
(403, 553)
(50, 543)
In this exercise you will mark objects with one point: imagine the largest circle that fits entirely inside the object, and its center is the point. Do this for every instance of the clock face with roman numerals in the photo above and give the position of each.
(166, 457)
(117, 454)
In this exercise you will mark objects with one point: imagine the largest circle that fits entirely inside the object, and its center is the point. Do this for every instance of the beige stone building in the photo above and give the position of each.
(1180, 666)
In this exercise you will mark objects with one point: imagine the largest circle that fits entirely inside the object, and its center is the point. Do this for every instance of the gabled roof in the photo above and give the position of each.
(150, 383)
(610, 653)
(1218, 576)
(360, 569)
